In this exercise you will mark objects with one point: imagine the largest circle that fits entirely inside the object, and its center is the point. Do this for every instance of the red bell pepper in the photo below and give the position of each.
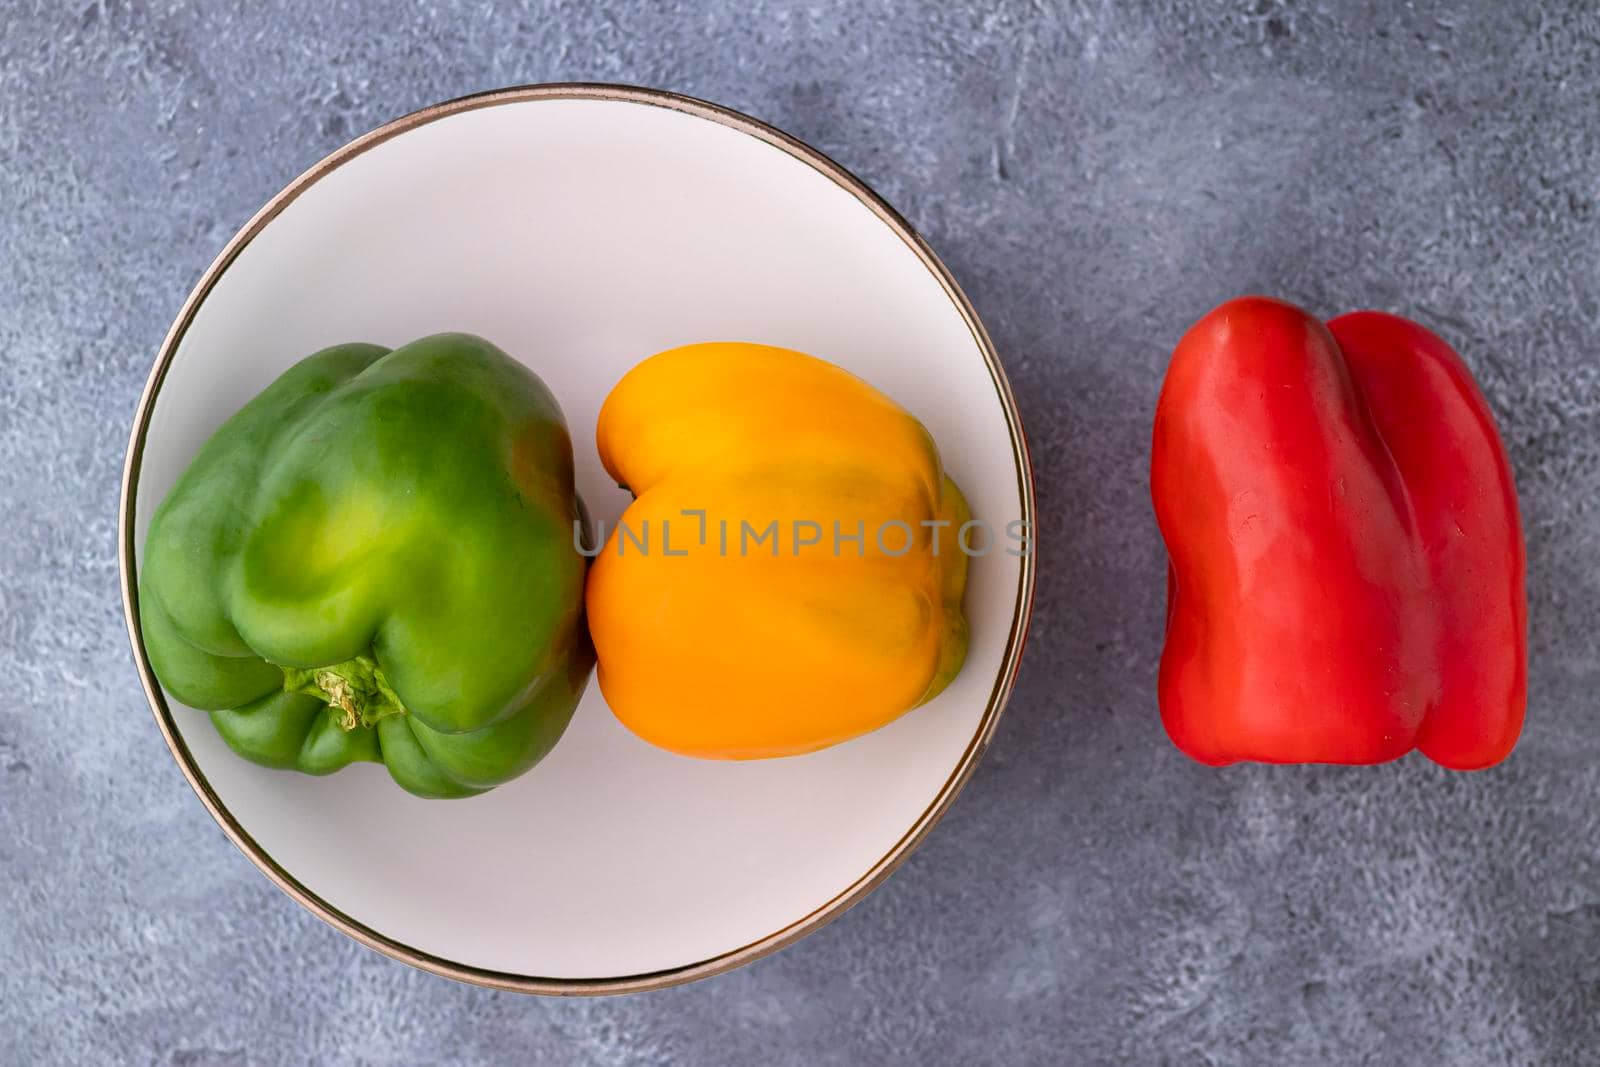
(1346, 576)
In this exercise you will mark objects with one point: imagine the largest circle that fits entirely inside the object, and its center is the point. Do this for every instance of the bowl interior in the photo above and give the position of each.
(581, 235)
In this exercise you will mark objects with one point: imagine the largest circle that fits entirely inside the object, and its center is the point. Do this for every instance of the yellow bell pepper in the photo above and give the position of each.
(789, 574)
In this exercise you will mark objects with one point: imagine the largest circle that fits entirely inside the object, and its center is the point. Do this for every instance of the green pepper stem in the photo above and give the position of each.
(356, 687)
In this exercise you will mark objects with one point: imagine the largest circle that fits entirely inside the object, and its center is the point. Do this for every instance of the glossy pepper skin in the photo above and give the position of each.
(735, 650)
(372, 560)
(1346, 579)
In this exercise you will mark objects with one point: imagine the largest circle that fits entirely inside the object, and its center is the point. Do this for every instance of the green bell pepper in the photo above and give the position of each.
(374, 560)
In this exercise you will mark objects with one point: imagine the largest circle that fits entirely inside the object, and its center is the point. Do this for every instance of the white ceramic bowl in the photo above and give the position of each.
(582, 228)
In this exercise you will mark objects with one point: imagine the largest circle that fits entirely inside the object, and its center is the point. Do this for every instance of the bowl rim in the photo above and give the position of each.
(726, 961)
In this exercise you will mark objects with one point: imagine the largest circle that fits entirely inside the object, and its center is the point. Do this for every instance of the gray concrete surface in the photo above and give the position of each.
(1097, 175)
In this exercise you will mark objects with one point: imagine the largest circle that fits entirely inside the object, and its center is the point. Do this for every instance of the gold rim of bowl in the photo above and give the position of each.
(726, 961)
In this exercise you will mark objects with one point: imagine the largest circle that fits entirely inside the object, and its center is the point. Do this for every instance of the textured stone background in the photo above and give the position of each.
(1097, 175)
